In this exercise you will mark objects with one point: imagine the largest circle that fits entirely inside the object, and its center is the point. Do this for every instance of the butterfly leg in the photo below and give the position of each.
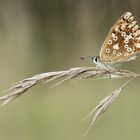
(108, 75)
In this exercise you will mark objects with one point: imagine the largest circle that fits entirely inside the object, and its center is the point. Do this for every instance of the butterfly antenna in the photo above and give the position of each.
(90, 58)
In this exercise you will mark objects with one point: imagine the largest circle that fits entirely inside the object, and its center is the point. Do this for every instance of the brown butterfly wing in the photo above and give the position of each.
(123, 41)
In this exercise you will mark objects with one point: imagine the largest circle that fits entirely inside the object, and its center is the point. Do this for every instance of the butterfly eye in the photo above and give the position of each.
(115, 38)
(96, 59)
(129, 49)
(107, 50)
(110, 42)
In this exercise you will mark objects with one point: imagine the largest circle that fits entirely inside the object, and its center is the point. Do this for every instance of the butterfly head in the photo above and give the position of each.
(103, 64)
(100, 63)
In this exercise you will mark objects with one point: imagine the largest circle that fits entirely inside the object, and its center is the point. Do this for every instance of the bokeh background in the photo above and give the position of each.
(49, 35)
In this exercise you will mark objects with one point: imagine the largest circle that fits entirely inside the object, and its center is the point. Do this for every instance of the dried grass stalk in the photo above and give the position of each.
(103, 105)
(79, 73)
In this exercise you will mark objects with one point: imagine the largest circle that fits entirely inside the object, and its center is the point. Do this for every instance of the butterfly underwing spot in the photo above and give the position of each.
(129, 49)
(127, 15)
(116, 46)
(126, 54)
(126, 37)
(114, 52)
(135, 28)
(134, 34)
(137, 45)
(122, 27)
(126, 46)
(115, 38)
(126, 41)
(132, 18)
(113, 34)
(107, 50)
(109, 42)
(129, 36)
(119, 54)
(138, 32)
(132, 24)
(123, 33)
(137, 39)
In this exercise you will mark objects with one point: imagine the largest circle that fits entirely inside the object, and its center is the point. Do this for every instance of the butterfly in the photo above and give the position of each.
(122, 43)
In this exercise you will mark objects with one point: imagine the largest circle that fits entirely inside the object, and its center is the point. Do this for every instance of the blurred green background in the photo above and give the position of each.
(40, 36)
